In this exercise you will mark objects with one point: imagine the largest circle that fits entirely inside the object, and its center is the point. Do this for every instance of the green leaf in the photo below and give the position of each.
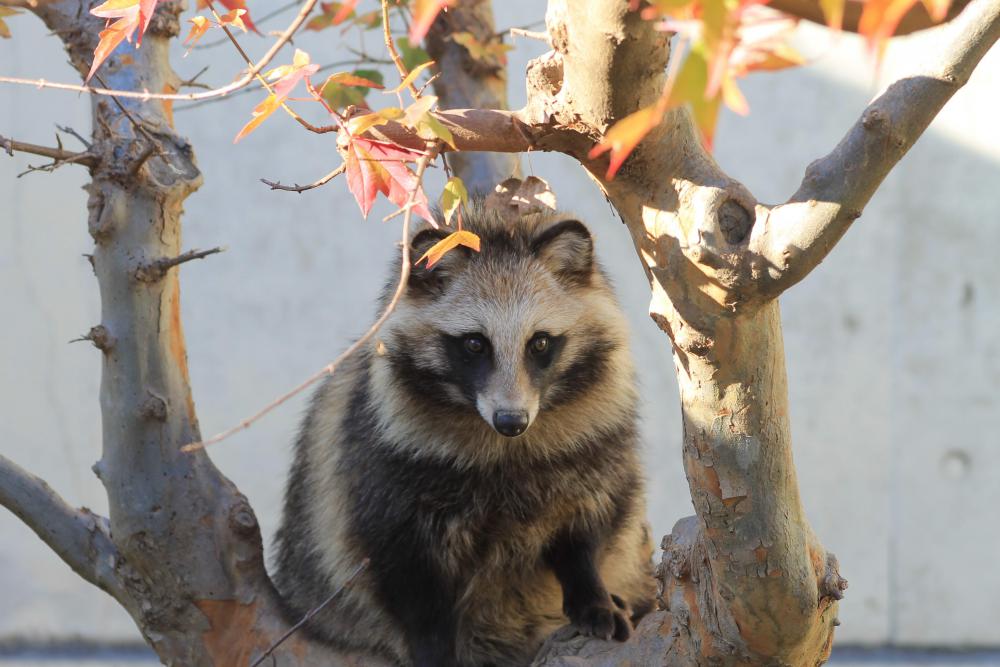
(454, 194)
(413, 56)
(339, 96)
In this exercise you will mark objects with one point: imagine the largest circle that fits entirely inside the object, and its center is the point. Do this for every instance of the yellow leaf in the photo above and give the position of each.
(833, 11)
(411, 77)
(733, 97)
(447, 244)
(234, 17)
(938, 9)
(454, 194)
(361, 124)
(260, 114)
(348, 79)
(4, 29)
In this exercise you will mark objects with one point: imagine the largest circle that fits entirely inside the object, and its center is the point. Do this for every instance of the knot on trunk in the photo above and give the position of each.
(832, 584)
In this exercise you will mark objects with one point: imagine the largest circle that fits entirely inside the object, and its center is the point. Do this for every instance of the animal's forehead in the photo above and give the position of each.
(506, 304)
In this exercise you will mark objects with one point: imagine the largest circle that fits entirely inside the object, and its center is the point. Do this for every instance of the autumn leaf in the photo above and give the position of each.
(418, 116)
(199, 26)
(375, 166)
(880, 18)
(490, 52)
(285, 78)
(622, 137)
(412, 56)
(411, 77)
(349, 79)
(260, 114)
(424, 13)
(447, 244)
(363, 123)
(339, 95)
(334, 13)
(833, 11)
(937, 9)
(128, 17)
(454, 193)
(690, 89)
(5, 12)
(234, 4)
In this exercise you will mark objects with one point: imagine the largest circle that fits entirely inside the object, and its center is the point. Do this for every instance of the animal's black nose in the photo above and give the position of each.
(510, 422)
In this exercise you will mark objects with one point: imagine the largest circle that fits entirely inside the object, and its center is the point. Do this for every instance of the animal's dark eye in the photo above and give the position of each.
(475, 344)
(539, 344)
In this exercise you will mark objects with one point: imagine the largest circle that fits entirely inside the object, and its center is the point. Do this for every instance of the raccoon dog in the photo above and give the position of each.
(482, 453)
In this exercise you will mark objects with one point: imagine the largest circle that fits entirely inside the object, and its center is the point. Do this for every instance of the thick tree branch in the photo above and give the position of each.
(914, 20)
(798, 234)
(473, 84)
(79, 537)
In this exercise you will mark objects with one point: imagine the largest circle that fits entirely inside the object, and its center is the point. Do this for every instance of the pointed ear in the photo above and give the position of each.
(568, 250)
(431, 281)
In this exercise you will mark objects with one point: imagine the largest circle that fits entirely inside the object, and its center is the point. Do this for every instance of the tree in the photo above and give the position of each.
(745, 581)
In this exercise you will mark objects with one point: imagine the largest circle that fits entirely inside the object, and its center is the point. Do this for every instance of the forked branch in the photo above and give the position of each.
(836, 188)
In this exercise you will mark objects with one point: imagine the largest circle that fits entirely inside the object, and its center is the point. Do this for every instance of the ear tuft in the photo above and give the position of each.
(432, 280)
(567, 248)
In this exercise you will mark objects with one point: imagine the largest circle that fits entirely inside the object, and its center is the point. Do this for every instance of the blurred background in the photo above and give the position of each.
(893, 343)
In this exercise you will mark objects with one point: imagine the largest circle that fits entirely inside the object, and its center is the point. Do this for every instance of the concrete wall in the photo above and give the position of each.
(893, 344)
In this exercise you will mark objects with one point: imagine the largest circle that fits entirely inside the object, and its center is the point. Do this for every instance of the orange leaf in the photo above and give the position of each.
(833, 11)
(938, 9)
(626, 134)
(348, 79)
(449, 243)
(199, 26)
(880, 18)
(424, 13)
(111, 37)
(234, 4)
(4, 12)
(260, 114)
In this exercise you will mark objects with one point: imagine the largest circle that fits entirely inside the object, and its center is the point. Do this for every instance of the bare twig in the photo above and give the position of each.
(312, 612)
(193, 81)
(274, 185)
(157, 269)
(242, 82)
(79, 537)
(70, 131)
(389, 44)
(154, 144)
(60, 156)
(530, 34)
(331, 368)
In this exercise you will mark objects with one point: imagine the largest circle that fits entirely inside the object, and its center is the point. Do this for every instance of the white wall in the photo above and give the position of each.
(893, 344)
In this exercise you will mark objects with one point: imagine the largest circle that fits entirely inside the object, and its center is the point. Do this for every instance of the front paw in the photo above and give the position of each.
(602, 620)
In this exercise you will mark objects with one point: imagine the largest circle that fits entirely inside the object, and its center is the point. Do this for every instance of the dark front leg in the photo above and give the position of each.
(585, 599)
(422, 602)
